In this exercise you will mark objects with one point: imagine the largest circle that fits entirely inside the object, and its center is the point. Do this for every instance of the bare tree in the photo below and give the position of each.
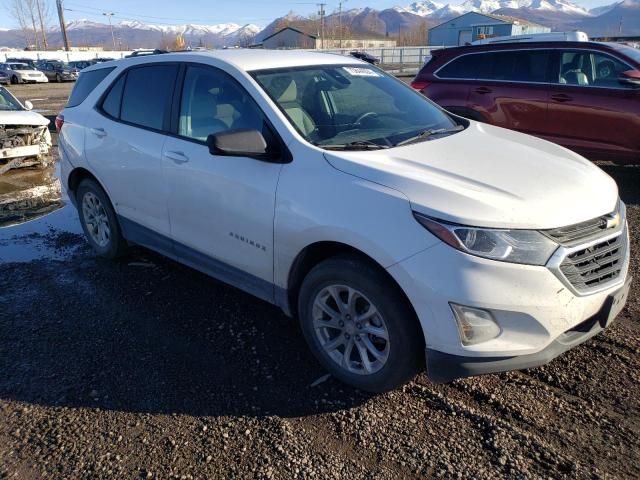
(44, 15)
(18, 11)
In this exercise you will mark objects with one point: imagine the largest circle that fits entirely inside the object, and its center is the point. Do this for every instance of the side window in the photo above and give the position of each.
(85, 85)
(111, 103)
(465, 67)
(607, 70)
(147, 94)
(518, 66)
(591, 68)
(213, 102)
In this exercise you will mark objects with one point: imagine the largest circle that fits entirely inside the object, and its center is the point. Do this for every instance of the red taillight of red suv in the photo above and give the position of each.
(419, 85)
(59, 122)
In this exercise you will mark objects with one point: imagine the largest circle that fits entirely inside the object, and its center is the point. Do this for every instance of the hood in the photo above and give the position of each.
(487, 176)
(22, 117)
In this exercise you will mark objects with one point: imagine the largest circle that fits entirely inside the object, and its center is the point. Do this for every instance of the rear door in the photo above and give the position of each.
(124, 140)
(590, 111)
(511, 89)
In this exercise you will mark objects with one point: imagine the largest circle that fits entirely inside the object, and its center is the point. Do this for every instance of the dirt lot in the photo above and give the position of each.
(143, 368)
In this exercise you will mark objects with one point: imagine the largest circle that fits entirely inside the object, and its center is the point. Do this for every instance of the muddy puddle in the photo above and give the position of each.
(37, 219)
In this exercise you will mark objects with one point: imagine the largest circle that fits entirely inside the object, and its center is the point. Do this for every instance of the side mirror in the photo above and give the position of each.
(630, 77)
(239, 143)
(28, 105)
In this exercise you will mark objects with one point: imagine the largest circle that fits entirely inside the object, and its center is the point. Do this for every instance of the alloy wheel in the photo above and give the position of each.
(96, 219)
(350, 329)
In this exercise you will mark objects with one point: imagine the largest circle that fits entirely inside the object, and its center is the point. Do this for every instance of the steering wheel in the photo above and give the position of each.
(365, 116)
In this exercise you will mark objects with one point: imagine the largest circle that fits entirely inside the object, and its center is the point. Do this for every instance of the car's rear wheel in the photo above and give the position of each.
(99, 220)
(359, 325)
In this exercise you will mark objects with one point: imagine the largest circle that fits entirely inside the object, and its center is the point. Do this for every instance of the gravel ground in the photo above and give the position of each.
(143, 368)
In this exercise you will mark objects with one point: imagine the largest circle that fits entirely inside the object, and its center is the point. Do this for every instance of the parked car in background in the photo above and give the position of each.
(367, 57)
(23, 73)
(24, 135)
(582, 95)
(390, 228)
(81, 64)
(103, 59)
(59, 72)
(4, 78)
(29, 61)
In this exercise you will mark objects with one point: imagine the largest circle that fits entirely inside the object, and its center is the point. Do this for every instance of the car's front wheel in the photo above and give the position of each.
(15, 80)
(359, 325)
(99, 221)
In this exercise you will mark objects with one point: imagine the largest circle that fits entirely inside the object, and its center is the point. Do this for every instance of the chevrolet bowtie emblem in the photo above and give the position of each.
(613, 220)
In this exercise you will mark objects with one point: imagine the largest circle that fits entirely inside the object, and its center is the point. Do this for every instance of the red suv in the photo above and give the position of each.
(582, 95)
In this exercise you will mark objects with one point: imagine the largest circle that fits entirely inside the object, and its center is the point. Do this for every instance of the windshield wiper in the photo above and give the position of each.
(428, 133)
(357, 145)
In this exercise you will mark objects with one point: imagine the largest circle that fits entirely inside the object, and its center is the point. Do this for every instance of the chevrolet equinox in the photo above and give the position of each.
(397, 233)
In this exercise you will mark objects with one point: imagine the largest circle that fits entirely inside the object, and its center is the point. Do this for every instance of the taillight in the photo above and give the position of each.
(59, 122)
(419, 85)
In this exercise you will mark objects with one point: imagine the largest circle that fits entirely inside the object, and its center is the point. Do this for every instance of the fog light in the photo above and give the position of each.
(474, 324)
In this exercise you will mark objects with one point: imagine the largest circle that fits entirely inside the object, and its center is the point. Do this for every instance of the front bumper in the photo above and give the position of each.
(444, 367)
(537, 312)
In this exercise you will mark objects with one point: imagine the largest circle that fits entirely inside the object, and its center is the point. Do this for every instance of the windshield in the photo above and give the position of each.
(20, 66)
(354, 106)
(7, 101)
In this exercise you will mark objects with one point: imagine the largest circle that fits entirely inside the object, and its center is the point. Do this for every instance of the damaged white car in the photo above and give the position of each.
(25, 140)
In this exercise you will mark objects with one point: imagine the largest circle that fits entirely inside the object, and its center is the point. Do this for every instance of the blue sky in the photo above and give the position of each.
(209, 12)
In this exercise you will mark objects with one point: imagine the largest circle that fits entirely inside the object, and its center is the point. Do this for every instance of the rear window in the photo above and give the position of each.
(85, 84)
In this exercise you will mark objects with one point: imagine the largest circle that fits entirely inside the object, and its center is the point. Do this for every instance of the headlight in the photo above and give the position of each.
(516, 246)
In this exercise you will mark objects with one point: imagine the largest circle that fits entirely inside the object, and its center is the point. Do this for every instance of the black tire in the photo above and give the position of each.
(406, 340)
(14, 80)
(58, 78)
(116, 245)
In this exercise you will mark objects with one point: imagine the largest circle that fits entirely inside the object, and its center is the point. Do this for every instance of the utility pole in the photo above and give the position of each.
(63, 28)
(42, 29)
(113, 37)
(340, 19)
(321, 13)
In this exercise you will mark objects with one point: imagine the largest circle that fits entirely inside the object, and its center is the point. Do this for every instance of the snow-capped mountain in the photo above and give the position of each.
(221, 30)
(422, 9)
(428, 8)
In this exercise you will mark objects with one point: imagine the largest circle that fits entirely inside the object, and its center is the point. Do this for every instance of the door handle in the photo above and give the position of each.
(483, 90)
(176, 157)
(99, 132)
(561, 97)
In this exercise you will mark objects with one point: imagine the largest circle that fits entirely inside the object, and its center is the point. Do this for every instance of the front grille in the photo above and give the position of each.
(596, 265)
(578, 231)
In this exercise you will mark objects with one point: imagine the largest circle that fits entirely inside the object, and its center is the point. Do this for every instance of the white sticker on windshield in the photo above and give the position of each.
(361, 72)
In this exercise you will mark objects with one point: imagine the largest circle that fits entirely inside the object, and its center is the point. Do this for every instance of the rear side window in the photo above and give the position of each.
(517, 66)
(147, 94)
(85, 84)
(464, 67)
(111, 103)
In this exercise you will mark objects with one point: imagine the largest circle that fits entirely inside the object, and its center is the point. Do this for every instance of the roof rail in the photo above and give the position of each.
(536, 37)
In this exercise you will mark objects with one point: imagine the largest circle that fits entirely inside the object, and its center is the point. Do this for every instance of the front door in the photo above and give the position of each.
(221, 208)
(590, 111)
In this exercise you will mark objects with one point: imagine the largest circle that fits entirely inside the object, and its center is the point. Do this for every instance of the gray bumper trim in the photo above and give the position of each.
(445, 367)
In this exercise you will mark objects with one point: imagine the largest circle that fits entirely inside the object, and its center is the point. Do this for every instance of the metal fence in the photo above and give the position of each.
(395, 59)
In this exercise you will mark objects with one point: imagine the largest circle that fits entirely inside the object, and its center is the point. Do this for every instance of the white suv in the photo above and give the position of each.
(388, 226)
